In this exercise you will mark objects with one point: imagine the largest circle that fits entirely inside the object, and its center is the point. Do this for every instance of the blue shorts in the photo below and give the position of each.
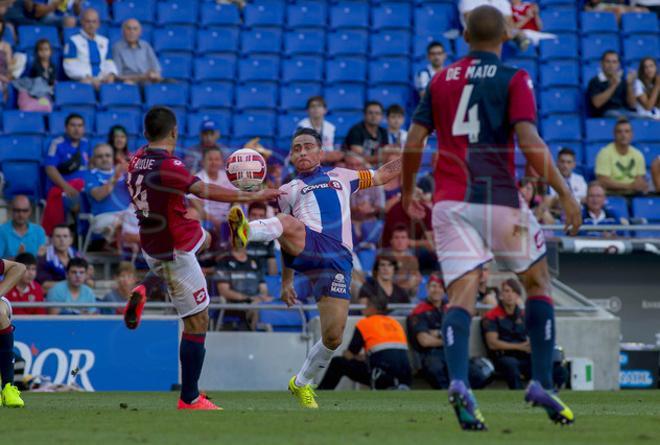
(327, 264)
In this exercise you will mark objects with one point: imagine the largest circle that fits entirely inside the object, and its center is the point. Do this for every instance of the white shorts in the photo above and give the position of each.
(185, 280)
(468, 235)
(6, 302)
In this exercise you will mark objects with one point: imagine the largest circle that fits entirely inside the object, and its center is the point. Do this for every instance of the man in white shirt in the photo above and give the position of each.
(436, 55)
(316, 110)
(87, 56)
(575, 181)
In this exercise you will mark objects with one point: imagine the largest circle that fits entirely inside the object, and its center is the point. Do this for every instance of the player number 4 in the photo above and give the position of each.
(139, 196)
(471, 126)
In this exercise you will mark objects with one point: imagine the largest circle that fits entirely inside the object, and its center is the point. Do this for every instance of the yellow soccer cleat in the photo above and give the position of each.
(238, 226)
(305, 394)
(11, 397)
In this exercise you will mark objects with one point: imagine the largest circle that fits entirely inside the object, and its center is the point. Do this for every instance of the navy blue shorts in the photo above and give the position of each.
(327, 264)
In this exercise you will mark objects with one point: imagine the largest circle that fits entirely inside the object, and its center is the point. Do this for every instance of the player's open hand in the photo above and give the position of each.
(413, 207)
(288, 295)
(572, 213)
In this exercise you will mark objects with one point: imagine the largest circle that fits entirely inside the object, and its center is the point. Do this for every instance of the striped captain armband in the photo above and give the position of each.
(365, 179)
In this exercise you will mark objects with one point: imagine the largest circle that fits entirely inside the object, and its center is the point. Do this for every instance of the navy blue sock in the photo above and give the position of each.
(7, 355)
(456, 335)
(191, 353)
(540, 324)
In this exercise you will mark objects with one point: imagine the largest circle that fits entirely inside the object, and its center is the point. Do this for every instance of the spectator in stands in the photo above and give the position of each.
(396, 117)
(43, 65)
(436, 55)
(366, 204)
(126, 281)
(209, 135)
(73, 290)
(65, 165)
(118, 140)
(526, 15)
(566, 165)
(467, 6)
(425, 333)
(644, 89)
(381, 282)
(19, 235)
(528, 193)
(594, 212)
(655, 173)
(87, 55)
(51, 267)
(485, 294)
(7, 32)
(54, 12)
(366, 138)
(27, 290)
(606, 92)
(6, 64)
(407, 275)
(262, 252)
(316, 111)
(385, 363)
(618, 7)
(620, 167)
(35, 92)
(107, 192)
(135, 58)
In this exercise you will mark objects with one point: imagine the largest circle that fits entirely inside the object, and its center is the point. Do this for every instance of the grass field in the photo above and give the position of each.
(345, 418)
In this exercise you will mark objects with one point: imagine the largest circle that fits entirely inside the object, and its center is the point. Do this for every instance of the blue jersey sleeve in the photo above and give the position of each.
(53, 155)
(424, 113)
(92, 181)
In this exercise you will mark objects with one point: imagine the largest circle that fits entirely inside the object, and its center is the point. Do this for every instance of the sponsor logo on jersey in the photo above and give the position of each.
(330, 184)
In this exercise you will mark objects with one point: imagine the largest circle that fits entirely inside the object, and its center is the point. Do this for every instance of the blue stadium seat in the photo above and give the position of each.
(222, 118)
(274, 283)
(347, 42)
(598, 22)
(560, 73)
(461, 48)
(287, 124)
(100, 5)
(599, 129)
(391, 16)
(591, 150)
(344, 97)
(650, 150)
(389, 71)
(28, 35)
(390, 43)
(346, 69)
(619, 204)
(645, 130)
(74, 93)
(295, 95)
(212, 68)
(105, 120)
(304, 42)
(564, 47)
(261, 41)
(343, 121)
(528, 65)
(262, 68)
(220, 15)
(367, 259)
(594, 46)
(349, 15)
(389, 95)
(177, 12)
(23, 122)
(561, 128)
(305, 68)
(281, 320)
(248, 125)
(372, 232)
(560, 100)
(639, 23)
(212, 95)
(142, 10)
(21, 178)
(176, 66)
(312, 14)
(648, 208)
(556, 3)
(119, 94)
(256, 95)
(217, 40)
(174, 38)
(420, 43)
(639, 46)
(21, 148)
(589, 71)
(559, 20)
(171, 95)
(264, 13)
(56, 120)
(435, 18)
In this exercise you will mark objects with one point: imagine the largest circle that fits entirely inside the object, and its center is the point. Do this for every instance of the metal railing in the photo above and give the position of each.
(608, 227)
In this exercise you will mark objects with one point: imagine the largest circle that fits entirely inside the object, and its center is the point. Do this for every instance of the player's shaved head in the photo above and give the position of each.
(486, 24)
(159, 123)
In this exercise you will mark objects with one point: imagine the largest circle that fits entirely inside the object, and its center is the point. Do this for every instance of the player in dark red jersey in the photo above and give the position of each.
(158, 182)
(477, 106)
(9, 394)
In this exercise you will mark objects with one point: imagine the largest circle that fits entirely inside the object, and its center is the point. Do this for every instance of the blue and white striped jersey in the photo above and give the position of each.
(322, 200)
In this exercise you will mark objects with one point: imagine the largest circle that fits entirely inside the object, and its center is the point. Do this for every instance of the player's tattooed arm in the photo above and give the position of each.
(387, 172)
(214, 192)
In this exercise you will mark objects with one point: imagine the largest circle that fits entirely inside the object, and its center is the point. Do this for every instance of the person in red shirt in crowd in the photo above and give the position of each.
(526, 15)
(27, 290)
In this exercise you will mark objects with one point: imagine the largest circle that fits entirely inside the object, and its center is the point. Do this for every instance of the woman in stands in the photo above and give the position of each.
(644, 89)
(6, 62)
(118, 140)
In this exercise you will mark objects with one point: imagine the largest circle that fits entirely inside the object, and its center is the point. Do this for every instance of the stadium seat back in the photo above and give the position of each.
(174, 38)
(100, 5)
(281, 320)
(560, 100)
(288, 123)
(23, 122)
(177, 12)
(176, 66)
(559, 20)
(372, 232)
(599, 129)
(220, 15)
(22, 178)
(391, 15)
(560, 74)
(261, 41)
(591, 150)
(256, 95)
(29, 35)
(305, 68)
(304, 42)
(648, 208)
(345, 97)
(619, 204)
(435, 18)
(390, 43)
(57, 119)
(74, 93)
(311, 14)
(528, 65)
(346, 69)
(639, 23)
(142, 10)
(367, 259)
(17, 147)
(389, 95)
(394, 70)
(217, 40)
(650, 150)
(347, 42)
(222, 118)
(294, 96)
(563, 47)
(420, 45)
(248, 125)
(562, 128)
(599, 22)
(264, 13)
(595, 45)
(211, 95)
(214, 68)
(645, 130)
(259, 68)
(639, 46)
(105, 120)
(173, 95)
(343, 121)
(349, 15)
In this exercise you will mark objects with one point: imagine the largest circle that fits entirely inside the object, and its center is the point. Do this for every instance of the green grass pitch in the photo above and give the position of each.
(345, 418)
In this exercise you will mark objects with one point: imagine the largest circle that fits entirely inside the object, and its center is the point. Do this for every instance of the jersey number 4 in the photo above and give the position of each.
(466, 121)
(139, 196)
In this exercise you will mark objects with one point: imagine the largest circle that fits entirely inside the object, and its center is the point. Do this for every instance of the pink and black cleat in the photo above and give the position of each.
(134, 307)
(201, 404)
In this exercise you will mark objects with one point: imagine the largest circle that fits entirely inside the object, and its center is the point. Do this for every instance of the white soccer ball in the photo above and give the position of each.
(246, 169)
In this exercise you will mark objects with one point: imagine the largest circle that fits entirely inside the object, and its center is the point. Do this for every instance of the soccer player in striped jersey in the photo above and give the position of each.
(314, 230)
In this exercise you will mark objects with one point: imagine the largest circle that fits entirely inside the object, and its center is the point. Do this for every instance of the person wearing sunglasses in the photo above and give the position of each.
(18, 234)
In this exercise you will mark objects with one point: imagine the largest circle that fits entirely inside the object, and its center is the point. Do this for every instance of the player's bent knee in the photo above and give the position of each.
(332, 340)
(291, 225)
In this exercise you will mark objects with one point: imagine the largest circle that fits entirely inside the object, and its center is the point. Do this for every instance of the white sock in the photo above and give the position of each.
(318, 359)
(266, 229)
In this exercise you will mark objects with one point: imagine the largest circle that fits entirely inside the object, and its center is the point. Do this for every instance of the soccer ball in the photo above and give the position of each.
(246, 169)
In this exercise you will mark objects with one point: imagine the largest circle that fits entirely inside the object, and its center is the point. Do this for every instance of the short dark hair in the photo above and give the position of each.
(158, 122)
(26, 258)
(315, 99)
(390, 259)
(622, 121)
(378, 300)
(434, 44)
(395, 109)
(400, 228)
(257, 205)
(77, 262)
(485, 24)
(73, 116)
(62, 226)
(566, 151)
(608, 52)
(373, 103)
(208, 150)
(309, 131)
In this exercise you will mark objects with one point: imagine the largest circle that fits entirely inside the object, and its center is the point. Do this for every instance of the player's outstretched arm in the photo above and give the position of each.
(387, 172)
(13, 273)
(214, 192)
(411, 160)
(539, 157)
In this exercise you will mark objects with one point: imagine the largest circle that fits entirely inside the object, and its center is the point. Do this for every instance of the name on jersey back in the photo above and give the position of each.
(144, 164)
(472, 72)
